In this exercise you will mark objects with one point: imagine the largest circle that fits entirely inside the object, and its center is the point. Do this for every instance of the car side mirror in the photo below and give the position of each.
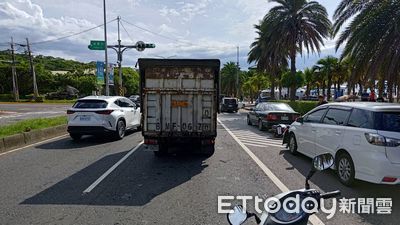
(300, 120)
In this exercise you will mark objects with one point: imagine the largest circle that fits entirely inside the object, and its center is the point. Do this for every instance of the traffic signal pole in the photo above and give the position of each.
(119, 61)
(105, 50)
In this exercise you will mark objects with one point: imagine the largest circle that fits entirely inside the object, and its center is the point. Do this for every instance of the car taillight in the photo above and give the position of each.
(105, 112)
(272, 117)
(380, 140)
(70, 112)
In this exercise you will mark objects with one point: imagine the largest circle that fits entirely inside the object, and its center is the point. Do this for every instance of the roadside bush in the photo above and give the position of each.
(6, 98)
(301, 107)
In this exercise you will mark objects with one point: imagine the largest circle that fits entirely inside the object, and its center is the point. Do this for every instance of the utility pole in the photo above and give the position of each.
(119, 61)
(237, 73)
(14, 73)
(35, 88)
(105, 51)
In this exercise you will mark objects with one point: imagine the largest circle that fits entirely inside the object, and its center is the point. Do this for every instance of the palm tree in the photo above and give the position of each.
(268, 59)
(372, 39)
(309, 78)
(228, 78)
(294, 25)
(327, 67)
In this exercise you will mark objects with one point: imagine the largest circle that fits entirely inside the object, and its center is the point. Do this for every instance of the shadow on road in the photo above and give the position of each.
(328, 181)
(86, 141)
(135, 182)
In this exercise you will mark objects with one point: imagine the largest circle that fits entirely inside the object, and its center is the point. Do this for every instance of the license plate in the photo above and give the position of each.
(284, 118)
(84, 118)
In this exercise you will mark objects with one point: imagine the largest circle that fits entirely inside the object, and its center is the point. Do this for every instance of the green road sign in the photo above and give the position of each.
(97, 45)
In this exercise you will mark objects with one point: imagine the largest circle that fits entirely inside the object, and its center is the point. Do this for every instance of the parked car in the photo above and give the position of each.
(229, 105)
(102, 114)
(267, 114)
(365, 97)
(364, 137)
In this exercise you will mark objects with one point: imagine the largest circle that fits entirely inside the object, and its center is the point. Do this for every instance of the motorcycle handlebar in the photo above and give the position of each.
(331, 194)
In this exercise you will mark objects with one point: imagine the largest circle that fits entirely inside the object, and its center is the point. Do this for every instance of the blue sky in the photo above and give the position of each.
(180, 29)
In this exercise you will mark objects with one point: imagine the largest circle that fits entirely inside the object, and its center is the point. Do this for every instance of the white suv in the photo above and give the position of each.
(102, 114)
(363, 137)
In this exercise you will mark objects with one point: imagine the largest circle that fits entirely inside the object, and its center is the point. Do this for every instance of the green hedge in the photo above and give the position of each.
(6, 98)
(301, 106)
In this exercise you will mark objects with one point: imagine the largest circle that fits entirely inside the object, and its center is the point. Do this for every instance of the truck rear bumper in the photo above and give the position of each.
(154, 144)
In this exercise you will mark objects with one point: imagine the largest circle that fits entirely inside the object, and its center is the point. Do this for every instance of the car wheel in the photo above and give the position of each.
(75, 137)
(249, 121)
(121, 128)
(293, 144)
(260, 125)
(345, 169)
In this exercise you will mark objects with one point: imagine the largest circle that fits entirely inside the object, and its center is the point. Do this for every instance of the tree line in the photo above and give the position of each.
(370, 42)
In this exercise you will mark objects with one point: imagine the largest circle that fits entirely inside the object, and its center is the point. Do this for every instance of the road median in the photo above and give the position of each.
(30, 132)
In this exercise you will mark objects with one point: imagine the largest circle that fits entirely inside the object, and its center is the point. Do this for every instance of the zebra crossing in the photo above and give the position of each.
(257, 139)
(249, 135)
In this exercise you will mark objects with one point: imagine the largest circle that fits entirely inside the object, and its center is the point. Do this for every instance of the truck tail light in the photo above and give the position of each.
(105, 112)
(70, 112)
(389, 179)
(150, 141)
(272, 117)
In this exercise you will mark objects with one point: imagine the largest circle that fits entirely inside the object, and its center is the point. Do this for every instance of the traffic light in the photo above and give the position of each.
(140, 45)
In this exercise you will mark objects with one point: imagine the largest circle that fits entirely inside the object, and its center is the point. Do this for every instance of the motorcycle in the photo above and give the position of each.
(279, 130)
(321, 162)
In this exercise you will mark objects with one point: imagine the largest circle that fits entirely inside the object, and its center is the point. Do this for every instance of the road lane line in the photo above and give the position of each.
(37, 143)
(313, 218)
(273, 141)
(102, 177)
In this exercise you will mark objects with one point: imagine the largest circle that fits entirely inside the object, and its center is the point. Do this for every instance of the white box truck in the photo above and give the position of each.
(179, 103)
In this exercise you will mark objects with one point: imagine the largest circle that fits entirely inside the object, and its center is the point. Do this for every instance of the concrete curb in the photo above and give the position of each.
(27, 138)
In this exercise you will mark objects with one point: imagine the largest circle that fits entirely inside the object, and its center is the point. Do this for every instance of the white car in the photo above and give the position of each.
(364, 137)
(102, 114)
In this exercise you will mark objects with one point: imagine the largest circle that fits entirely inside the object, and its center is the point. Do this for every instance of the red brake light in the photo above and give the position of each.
(105, 112)
(70, 112)
(150, 142)
(272, 117)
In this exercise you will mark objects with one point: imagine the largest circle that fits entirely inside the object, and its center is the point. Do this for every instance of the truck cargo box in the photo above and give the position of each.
(179, 99)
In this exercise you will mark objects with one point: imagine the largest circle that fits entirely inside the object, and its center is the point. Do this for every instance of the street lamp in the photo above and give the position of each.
(105, 50)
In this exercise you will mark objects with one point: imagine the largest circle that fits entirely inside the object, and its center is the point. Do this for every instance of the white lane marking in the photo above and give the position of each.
(260, 144)
(313, 218)
(259, 139)
(31, 113)
(102, 177)
(37, 143)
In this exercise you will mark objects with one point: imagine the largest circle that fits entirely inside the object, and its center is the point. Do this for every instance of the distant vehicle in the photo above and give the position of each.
(267, 114)
(102, 114)
(364, 137)
(180, 102)
(135, 99)
(229, 105)
(68, 92)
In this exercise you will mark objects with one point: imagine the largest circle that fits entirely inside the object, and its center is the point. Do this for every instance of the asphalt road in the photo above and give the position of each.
(13, 112)
(45, 184)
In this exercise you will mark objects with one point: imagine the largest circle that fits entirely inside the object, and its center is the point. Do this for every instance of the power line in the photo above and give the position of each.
(67, 36)
(126, 31)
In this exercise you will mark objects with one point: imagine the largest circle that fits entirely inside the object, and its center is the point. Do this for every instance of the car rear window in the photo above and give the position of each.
(230, 101)
(387, 121)
(281, 107)
(90, 104)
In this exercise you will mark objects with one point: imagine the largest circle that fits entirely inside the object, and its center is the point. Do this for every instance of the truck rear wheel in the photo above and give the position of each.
(208, 150)
(162, 151)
